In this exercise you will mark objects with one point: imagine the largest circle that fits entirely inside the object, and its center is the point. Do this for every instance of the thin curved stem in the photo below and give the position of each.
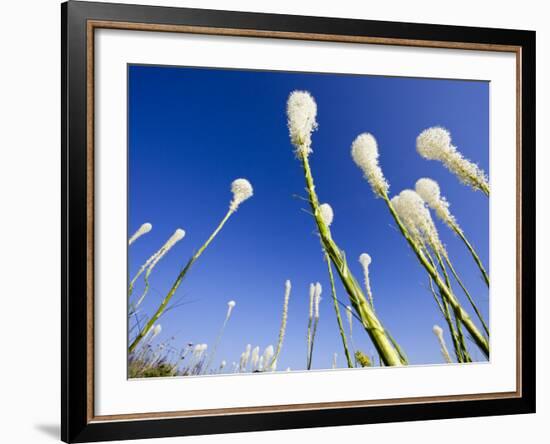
(337, 311)
(177, 283)
(373, 326)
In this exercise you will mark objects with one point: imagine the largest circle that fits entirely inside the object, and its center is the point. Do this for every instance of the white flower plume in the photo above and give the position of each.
(417, 219)
(178, 235)
(242, 190)
(364, 151)
(365, 260)
(153, 260)
(438, 331)
(267, 357)
(230, 307)
(428, 190)
(301, 111)
(156, 331)
(254, 358)
(349, 315)
(326, 214)
(245, 356)
(317, 299)
(435, 144)
(145, 228)
(311, 299)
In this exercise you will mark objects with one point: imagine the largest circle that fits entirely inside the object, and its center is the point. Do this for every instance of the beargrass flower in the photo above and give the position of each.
(438, 331)
(284, 318)
(318, 290)
(267, 358)
(301, 112)
(156, 331)
(145, 228)
(230, 307)
(364, 151)
(255, 358)
(429, 191)
(326, 214)
(435, 144)
(242, 190)
(413, 213)
(153, 260)
(365, 260)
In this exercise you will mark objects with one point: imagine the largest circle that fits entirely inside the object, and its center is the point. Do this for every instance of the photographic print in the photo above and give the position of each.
(296, 221)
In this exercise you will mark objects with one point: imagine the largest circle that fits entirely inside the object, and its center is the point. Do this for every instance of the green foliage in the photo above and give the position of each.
(363, 359)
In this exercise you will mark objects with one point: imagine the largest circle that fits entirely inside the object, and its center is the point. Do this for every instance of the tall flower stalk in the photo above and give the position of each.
(242, 190)
(438, 332)
(284, 318)
(328, 216)
(301, 111)
(435, 144)
(145, 228)
(429, 190)
(230, 306)
(153, 260)
(317, 289)
(365, 261)
(365, 154)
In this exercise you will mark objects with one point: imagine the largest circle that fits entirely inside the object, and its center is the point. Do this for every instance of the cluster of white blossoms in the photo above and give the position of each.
(301, 111)
(230, 307)
(145, 228)
(266, 359)
(365, 260)
(364, 151)
(438, 331)
(245, 356)
(311, 299)
(435, 144)
(417, 219)
(157, 256)
(326, 214)
(255, 358)
(429, 191)
(317, 299)
(242, 190)
(178, 235)
(156, 331)
(199, 350)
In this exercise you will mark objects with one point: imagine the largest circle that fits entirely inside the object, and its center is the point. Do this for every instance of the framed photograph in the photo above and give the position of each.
(276, 221)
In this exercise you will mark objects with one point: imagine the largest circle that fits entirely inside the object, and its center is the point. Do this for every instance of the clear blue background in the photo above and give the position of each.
(192, 131)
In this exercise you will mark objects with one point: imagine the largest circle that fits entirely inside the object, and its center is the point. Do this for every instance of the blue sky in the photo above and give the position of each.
(192, 131)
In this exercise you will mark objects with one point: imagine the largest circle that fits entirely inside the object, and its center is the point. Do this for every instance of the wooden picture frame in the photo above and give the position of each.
(79, 22)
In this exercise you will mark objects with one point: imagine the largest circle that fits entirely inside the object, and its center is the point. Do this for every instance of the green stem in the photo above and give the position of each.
(310, 359)
(470, 248)
(467, 293)
(373, 326)
(337, 311)
(177, 283)
(478, 338)
(461, 338)
(447, 315)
